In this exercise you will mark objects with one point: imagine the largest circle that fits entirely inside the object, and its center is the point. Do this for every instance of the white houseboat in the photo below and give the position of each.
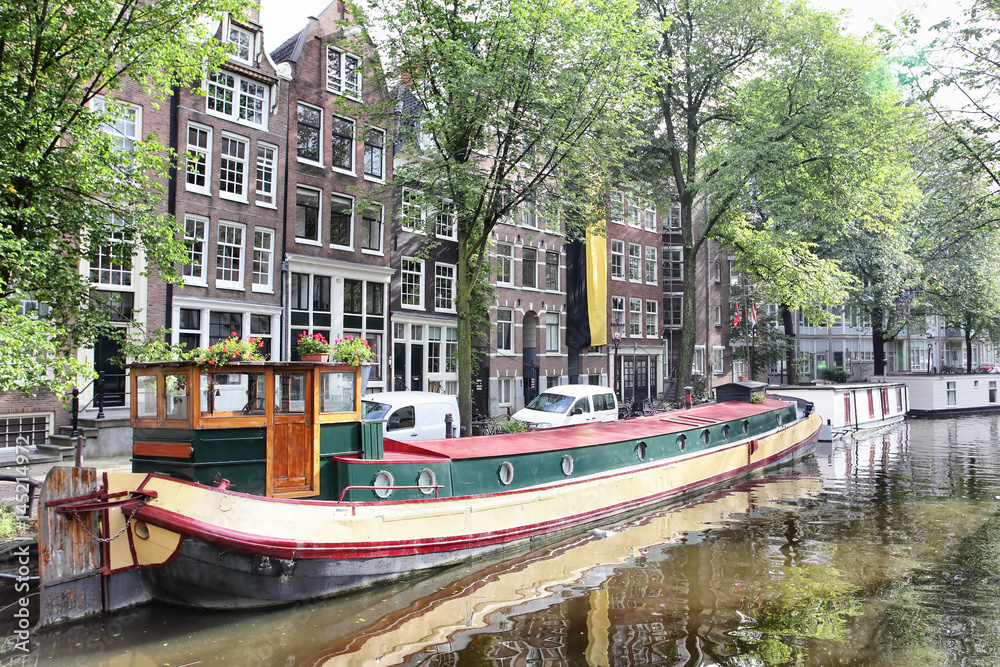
(943, 395)
(847, 409)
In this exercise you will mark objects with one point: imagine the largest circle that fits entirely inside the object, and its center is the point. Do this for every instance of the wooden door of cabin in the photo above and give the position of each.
(293, 438)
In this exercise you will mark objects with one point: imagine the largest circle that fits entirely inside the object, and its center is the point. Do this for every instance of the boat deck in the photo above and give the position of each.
(572, 437)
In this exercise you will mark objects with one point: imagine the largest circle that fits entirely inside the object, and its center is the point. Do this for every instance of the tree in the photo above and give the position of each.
(770, 123)
(68, 187)
(519, 101)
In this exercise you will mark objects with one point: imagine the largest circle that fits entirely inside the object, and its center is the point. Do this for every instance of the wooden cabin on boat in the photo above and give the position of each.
(847, 409)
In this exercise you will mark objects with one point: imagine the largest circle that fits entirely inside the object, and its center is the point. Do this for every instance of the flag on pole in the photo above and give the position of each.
(737, 318)
(753, 316)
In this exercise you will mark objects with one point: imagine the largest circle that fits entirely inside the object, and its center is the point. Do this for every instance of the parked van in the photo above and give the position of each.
(570, 404)
(412, 415)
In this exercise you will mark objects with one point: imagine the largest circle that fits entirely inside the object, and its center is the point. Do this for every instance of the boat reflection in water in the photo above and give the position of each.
(533, 581)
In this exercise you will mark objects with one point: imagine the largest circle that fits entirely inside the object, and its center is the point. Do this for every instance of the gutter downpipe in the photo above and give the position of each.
(168, 318)
(285, 276)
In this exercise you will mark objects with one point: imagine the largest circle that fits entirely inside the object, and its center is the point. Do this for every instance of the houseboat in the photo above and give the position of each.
(949, 395)
(847, 410)
(258, 484)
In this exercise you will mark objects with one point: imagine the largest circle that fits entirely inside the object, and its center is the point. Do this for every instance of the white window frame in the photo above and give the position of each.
(445, 281)
(650, 213)
(338, 83)
(318, 162)
(552, 339)
(673, 223)
(698, 360)
(673, 296)
(525, 263)
(119, 275)
(673, 255)
(416, 277)
(617, 252)
(652, 318)
(529, 213)
(505, 392)
(616, 207)
(718, 360)
(123, 133)
(352, 144)
(370, 175)
(238, 56)
(651, 262)
(263, 261)
(189, 238)
(618, 309)
(718, 316)
(243, 164)
(349, 200)
(264, 188)
(635, 326)
(505, 259)
(634, 262)
(506, 324)
(446, 218)
(635, 214)
(548, 267)
(206, 153)
(305, 240)
(380, 221)
(412, 214)
(238, 255)
(235, 98)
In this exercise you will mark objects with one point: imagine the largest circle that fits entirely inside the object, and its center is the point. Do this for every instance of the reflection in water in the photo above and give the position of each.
(880, 552)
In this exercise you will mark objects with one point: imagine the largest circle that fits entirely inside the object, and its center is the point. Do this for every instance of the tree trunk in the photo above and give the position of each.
(878, 340)
(789, 325)
(463, 306)
(968, 348)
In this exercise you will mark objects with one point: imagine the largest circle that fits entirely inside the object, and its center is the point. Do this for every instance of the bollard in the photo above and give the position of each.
(688, 401)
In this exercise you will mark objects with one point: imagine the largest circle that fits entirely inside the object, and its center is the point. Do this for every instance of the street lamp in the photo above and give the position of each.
(930, 352)
(617, 333)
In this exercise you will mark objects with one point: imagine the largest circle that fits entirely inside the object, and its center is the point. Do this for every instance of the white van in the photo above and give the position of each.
(570, 404)
(412, 415)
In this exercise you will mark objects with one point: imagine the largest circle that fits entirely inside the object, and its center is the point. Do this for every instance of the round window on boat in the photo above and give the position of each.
(140, 529)
(777, 418)
(725, 431)
(682, 442)
(506, 473)
(383, 484)
(640, 451)
(746, 427)
(567, 465)
(427, 481)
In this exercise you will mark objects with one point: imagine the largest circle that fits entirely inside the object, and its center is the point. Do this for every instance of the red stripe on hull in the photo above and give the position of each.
(291, 549)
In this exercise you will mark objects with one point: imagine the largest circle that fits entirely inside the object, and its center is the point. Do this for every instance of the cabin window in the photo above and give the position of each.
(232, 393)
(176, 390)
(383, 484)
(993, 391)
(289, 393)
(145, 395)
(506, 473)
(640, 451)
(337, 392)
(746, 427)
(952, 394)
(567, 465)
(725, 431)
(706, 438)
(427, 481)
(682, 442)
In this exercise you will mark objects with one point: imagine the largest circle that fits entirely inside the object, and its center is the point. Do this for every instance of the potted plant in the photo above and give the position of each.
(312, 347)
(233, 348)
(351, 351)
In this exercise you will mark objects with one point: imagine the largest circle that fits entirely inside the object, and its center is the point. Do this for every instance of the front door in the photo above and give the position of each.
(107, 360)
(293, 438)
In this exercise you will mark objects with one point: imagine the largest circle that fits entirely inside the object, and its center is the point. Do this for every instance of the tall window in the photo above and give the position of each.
(618, 309)
(341, 220)
(343, 72)
(122, 122)
(634, 262)
(221, 90)
(229, 258)
(529, 214)
(412, 211)
(650, 265)
(617, 259)
(673, 308)
(552, 271)
(371, 228)
(267, 159)
(233, 168)
(616, 207)
(551, 332)
(343, 143)
(529, 267)
(635, 213)
(451, 350)
(505, 331)
(447, 227)
(111, 264)
(433, 349)
(237, 99)
(505, 257)
(673, 263)
(412, 293)
(194, 241)
(444, 287)
(635, 317)
(199, 159)
(306, 214)
(263, 259)
(505, 391)
(698, 360)
(374, 153)
(718, 360)
(651, 318)
(243, 43)
(310, 131)
(674, 218)
(650, 216)
(253, 102)
(310, 305)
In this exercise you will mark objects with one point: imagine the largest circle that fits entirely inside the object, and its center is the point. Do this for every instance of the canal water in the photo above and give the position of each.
(883, 551)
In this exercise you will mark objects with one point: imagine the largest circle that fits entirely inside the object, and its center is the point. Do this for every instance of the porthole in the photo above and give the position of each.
(682, 442)
(427, 481)
(746, 427)
(567, 465)
(777, 418)
(706, 438)
(383, 484)
(506, 473)
(725, 431)
(640, 451)
(140, 529)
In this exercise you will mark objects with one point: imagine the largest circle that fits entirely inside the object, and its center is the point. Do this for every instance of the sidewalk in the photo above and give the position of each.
(8, 490)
